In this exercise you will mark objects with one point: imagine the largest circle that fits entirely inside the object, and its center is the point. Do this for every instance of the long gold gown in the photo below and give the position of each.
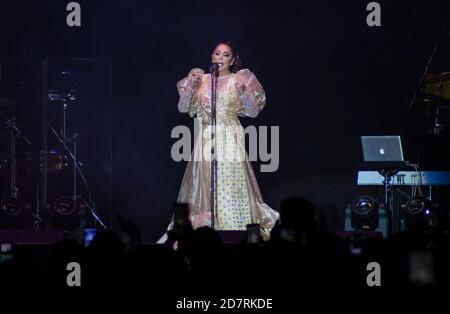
(238, 200)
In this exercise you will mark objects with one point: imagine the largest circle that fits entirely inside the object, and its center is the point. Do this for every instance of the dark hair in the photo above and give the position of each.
(237, 61)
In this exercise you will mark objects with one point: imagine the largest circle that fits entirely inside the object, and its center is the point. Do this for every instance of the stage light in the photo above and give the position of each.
(364, 215)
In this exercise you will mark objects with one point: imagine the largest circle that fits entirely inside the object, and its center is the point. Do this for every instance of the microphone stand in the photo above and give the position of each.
(214, 70)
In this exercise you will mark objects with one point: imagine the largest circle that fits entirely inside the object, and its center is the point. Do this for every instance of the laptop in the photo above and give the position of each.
(382, 148)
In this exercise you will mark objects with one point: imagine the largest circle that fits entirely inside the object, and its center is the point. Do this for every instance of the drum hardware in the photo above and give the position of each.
(12, 205)
(63, 96)
(60, 160)
(435, 84)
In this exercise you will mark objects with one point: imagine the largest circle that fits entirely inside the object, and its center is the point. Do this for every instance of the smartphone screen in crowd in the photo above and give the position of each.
(6, 251)
(89, 235)
(253, 234)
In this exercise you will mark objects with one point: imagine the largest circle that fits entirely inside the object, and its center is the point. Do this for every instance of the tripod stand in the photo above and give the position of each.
(76, 139)
(388, 200)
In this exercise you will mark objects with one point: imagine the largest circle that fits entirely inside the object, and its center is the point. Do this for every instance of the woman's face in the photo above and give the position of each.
(223, 56)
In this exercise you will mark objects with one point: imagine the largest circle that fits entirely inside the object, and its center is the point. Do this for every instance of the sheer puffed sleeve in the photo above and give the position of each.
(251, 92)
(186, 89)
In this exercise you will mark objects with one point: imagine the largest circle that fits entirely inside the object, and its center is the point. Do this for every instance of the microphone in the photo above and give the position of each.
(214, 68)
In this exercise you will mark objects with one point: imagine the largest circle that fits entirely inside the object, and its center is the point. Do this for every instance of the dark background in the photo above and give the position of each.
(329, 79)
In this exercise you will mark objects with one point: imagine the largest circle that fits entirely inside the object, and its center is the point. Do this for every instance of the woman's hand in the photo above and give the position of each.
(195, 77)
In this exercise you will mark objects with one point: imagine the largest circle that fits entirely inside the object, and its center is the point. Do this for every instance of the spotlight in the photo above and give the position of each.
(364, 215)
